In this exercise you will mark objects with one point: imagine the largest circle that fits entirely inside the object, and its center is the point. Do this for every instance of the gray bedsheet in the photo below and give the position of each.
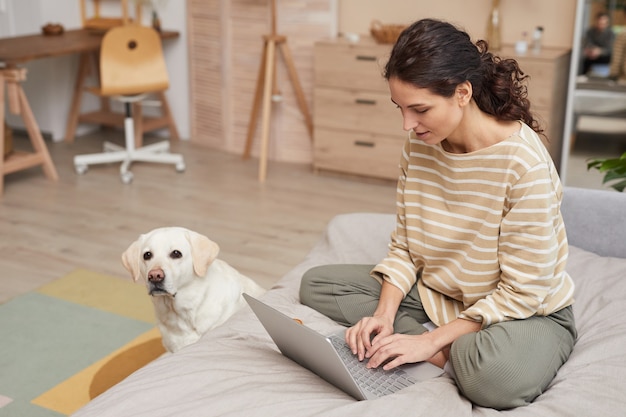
(236, 370)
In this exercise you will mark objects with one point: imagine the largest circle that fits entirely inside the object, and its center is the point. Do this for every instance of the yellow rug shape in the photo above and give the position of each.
(107, 293)
(69, 396)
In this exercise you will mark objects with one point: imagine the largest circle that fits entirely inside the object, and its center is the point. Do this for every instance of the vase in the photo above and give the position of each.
(493, 26)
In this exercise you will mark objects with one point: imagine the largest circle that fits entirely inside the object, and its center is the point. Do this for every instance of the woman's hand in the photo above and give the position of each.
(367, 331)
(398, 349)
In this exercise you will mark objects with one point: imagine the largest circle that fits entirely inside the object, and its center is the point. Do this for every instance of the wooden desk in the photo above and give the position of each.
(21, 49)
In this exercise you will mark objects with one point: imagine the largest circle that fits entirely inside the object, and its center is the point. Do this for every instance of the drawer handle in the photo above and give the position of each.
(365, 58)
(365, 101)
(364, 143)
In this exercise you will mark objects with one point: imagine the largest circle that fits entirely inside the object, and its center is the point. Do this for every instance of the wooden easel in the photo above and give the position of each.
(266, 88)
(12, 79)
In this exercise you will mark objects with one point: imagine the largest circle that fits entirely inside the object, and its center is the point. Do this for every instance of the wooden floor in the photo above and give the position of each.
(48, 229)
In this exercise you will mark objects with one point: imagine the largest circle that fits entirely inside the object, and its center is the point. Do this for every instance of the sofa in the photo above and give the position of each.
(236, 370)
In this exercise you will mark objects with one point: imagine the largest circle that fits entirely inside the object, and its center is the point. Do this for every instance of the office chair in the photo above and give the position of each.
(131, 67)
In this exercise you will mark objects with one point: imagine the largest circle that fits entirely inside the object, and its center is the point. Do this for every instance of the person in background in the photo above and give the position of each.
(598, 43)
(474, 280)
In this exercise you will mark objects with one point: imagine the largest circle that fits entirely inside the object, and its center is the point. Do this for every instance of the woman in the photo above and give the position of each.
(479, 247)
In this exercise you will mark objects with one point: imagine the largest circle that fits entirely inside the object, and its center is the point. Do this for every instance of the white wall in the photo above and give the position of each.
(6, 24)
(50, 81)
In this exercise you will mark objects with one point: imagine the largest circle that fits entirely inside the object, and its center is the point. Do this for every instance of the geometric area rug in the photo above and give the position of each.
(72, 339)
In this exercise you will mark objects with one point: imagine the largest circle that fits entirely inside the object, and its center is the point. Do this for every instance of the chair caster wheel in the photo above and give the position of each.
(180, 167)
(127, 177)
(80, 169)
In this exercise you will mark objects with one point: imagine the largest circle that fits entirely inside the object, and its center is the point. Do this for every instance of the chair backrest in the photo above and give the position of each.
(131, 61)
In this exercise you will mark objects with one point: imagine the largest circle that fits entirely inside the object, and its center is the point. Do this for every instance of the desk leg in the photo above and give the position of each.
(72, 121)
(35, 137)
(167, 114)
(18, 104)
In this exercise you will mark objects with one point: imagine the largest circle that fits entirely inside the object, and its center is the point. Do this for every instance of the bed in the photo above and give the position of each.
(236, 370)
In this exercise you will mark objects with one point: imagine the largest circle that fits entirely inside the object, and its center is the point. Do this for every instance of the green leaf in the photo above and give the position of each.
(613, 168)
(593, 164)
(620, 186)
(612, 175)
(612, 164)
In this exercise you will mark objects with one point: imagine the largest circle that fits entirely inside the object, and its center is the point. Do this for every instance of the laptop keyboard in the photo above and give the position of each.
(376, 381)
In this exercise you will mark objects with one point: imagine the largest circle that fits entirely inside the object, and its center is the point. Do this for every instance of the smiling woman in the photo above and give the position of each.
(479, 247)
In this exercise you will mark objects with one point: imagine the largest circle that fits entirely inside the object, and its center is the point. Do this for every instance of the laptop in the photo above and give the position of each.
(330, 357)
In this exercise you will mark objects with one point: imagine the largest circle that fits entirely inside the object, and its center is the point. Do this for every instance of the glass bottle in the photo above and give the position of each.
(537, 35)
(493, 26)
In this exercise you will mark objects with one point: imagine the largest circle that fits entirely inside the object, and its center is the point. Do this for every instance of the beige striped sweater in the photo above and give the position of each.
(483, 228)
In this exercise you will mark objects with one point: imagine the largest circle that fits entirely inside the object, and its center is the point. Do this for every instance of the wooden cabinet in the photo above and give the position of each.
(547, 91)
(358, 130)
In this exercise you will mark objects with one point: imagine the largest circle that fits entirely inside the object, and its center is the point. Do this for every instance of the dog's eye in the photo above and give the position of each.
(176, 254)
(147, 256)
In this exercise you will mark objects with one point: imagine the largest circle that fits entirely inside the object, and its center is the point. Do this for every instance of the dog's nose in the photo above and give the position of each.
(156, 275)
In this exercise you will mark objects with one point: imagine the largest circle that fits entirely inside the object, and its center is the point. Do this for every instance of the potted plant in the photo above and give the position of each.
(614, 169)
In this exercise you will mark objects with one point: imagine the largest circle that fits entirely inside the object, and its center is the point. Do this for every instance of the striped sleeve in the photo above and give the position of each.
(531, 251)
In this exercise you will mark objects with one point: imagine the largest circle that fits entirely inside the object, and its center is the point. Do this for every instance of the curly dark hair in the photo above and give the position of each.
(434, 54)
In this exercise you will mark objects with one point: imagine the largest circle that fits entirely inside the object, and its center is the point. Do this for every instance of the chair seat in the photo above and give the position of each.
(122, 97)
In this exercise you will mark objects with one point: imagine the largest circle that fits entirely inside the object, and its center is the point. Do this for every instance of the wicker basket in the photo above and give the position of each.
(385, 33)
(52, 29)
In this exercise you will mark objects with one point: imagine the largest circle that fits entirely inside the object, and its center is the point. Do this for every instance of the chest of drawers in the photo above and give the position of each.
(358, 130)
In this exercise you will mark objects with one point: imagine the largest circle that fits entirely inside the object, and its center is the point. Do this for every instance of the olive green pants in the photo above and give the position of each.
(503, 366)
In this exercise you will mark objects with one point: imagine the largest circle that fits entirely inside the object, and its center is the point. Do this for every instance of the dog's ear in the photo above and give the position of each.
(203, 252)
(130, 260)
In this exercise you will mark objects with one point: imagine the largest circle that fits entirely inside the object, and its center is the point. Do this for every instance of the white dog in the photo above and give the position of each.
(192, 291)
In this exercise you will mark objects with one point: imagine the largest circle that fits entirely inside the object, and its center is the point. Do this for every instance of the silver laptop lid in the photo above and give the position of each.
(306, 347)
